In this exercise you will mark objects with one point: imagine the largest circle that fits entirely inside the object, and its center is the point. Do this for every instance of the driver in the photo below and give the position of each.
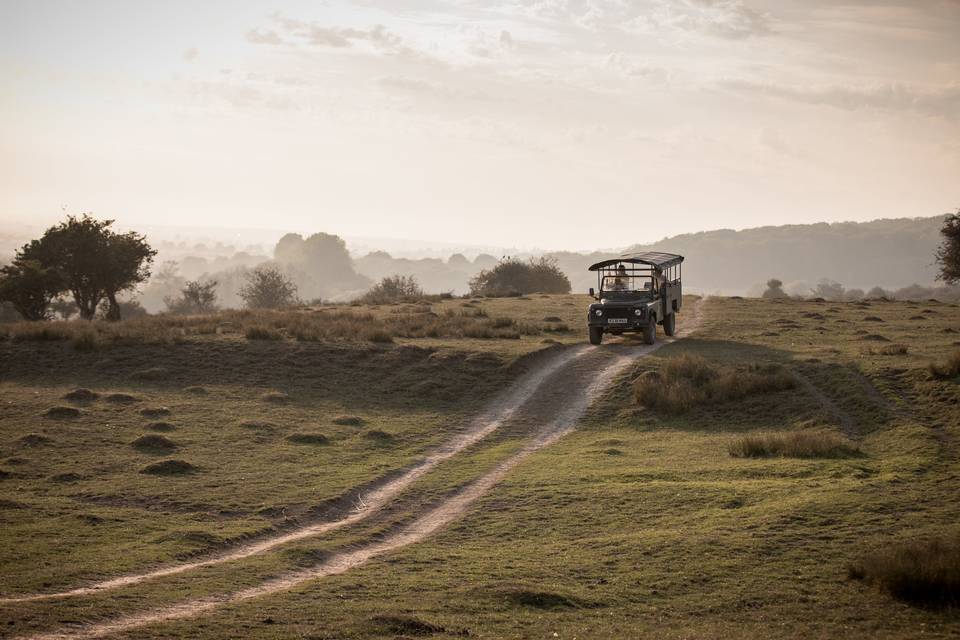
(622, 281)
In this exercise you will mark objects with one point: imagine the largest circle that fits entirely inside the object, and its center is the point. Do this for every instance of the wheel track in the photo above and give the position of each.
(368, 504)
(615, 360)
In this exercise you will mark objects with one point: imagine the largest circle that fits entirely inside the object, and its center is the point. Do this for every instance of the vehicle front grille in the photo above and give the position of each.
(618, 313)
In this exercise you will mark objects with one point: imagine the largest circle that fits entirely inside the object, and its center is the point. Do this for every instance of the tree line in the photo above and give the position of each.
(83, 266)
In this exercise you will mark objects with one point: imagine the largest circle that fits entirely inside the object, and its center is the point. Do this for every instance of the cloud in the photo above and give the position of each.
(941, 101)
(378, 37)
(731, 19)
(256, 36)
(190, 54)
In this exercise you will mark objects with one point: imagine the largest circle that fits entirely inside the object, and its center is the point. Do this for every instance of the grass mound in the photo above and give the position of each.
(875, 337)
(81, 395)
(258, 425)
(349, 421)
(308, 438)
(34, 440)
(538, 599)
(161, 426)
(154, 412)
(793, 444)
(685, 382)
(121, 398)
(924, 573)
(62, 413)
(276, 397)
(196, 391)
(153, 443)
(169, 468)
(947, 370)
(379, 436)
(66, 477)
(406, 625)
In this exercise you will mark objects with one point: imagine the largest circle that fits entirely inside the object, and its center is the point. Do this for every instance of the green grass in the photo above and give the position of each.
(639, 523)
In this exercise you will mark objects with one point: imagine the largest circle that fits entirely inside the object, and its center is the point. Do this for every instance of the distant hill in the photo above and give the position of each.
(889, 253)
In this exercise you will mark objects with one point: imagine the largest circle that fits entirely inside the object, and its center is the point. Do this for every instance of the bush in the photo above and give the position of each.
(515, 277)
(393, 289)
(774, 290)
(685, 382)
(924, 573)
(30, 287)
(947, 370)
(794, 444)
(268, 288)
(195, 298)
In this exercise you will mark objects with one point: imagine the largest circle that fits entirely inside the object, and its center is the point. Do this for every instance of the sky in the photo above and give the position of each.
(554, 124)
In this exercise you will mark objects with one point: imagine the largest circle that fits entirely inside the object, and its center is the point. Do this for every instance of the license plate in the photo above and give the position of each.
(616, 321)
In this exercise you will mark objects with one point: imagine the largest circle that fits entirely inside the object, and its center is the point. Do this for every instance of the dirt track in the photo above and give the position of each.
(547, 403)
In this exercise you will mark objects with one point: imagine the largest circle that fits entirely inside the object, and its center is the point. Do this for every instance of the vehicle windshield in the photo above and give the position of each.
(626, 286)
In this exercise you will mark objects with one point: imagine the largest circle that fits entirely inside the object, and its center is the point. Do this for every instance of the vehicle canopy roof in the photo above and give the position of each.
(652, 258)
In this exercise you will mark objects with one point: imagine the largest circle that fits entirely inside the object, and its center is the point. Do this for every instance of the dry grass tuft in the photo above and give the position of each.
(947, 370)
(169, 468)
(260, 332)
(81, 395)
(925, 573)
(151, 374)
(793, 444)
(888, 350)
(685, 382)
(349, 421)
(196, 391)
(276, 397)
(62, 413)
(258, 425)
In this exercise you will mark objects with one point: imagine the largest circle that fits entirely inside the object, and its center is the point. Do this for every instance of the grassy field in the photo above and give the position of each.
(711, 517)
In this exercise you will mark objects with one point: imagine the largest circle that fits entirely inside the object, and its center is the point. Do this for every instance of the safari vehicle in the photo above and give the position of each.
(637, 291)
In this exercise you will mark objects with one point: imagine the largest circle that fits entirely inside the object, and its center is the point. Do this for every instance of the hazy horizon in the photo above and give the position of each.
(554, 125)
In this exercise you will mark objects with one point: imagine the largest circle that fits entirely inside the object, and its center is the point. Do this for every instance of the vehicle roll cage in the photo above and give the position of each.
(669, 266)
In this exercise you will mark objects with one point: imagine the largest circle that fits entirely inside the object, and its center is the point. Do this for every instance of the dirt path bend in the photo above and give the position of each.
(368, 503)
(586, 375)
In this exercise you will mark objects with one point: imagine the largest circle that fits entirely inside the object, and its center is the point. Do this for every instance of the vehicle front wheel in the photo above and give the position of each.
(596, 335)
(670, 324)
(650, 331)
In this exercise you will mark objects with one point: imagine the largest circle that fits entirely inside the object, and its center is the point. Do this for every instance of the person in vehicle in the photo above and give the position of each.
(622, 281)
(657, 279)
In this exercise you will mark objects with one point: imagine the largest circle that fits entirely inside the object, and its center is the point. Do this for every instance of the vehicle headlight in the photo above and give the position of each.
(598, 312)
(638, 312)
